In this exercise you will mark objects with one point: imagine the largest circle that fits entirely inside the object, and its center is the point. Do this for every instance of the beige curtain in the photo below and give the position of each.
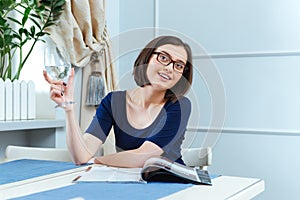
(81, 30)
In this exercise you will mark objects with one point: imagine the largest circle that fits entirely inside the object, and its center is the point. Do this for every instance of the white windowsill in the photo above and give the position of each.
(31, 124)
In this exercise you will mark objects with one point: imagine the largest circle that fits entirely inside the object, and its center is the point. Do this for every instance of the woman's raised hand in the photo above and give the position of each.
(60, 92)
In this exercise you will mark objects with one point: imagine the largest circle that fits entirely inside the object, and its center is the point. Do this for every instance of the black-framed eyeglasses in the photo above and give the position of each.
(165, 60)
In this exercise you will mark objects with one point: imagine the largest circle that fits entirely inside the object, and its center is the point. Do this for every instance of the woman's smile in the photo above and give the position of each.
(164, 76)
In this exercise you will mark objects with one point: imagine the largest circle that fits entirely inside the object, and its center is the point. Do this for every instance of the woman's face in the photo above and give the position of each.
(166, 66)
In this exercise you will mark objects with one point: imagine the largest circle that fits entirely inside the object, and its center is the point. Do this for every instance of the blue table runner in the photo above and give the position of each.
(97, 190)
(23, 169)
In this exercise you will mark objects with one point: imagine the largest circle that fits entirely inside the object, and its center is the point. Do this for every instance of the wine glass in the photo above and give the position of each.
(57, 63)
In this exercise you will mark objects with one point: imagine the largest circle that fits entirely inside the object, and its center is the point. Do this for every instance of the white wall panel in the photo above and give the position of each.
(235, 25)
(261, 92)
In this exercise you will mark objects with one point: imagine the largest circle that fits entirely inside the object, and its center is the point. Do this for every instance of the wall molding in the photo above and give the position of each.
(248, 54)
(231, 130)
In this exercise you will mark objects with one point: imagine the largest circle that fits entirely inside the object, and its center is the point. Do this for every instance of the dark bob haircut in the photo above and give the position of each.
(141, 64)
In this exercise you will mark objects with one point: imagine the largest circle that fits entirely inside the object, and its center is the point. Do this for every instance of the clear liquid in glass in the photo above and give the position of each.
(61, 72)
(57, 63)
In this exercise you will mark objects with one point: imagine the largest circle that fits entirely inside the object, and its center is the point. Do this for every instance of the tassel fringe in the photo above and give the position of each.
(96, 89)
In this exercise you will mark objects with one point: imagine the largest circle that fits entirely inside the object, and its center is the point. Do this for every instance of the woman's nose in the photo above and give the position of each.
(169, 67)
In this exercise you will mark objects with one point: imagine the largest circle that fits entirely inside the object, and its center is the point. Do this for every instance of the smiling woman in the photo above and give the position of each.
(149, 120)
(163, 71)
(169, 45)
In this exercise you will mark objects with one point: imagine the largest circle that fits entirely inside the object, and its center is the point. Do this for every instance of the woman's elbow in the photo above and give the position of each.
(80, 161)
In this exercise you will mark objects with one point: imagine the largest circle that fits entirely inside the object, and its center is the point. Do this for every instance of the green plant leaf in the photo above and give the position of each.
(46, 2)
(36, 23)
(40, 34)
(5, 4)
(26, 32)
(59, 4)
(26, 15)
(14, 20)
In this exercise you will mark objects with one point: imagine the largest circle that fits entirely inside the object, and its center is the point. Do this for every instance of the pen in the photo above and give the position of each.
(76, 179)
(88, 169)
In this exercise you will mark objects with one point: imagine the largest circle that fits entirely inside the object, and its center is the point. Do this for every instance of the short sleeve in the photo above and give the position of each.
(103, 119)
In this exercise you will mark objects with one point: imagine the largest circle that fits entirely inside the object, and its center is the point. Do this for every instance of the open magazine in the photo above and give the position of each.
(155, 169)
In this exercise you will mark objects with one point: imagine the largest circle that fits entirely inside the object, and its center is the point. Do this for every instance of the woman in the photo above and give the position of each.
(148, 121)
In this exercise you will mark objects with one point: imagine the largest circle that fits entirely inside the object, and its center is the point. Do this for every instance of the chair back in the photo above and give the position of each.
(197, 157)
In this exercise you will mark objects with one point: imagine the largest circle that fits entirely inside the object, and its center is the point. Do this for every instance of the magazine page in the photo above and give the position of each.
(103, 173)
(156, 163)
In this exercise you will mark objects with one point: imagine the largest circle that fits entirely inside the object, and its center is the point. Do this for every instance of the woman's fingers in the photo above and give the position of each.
(59, 90)
(55, 91)
(54, 87)
(47, 78)
(54, 94)
(68, 88)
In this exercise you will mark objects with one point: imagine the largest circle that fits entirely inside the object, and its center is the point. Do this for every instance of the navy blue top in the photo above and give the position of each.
(167, 130)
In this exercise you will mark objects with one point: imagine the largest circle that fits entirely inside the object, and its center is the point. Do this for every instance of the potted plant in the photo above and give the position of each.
(35, 17)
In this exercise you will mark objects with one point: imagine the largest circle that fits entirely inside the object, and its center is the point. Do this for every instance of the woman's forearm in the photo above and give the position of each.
(123, 159)
(63, 94)
(131, 158)
(80, 152)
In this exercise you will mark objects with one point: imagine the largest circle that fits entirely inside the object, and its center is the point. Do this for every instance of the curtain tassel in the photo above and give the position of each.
(95, 89)
(96, 84)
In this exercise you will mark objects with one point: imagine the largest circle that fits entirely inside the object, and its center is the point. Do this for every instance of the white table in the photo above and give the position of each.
(224, 187)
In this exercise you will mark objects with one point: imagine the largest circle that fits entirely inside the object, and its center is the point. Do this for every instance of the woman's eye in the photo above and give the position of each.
(179, 66)
(164, 58)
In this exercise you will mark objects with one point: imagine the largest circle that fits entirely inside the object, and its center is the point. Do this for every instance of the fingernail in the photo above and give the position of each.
(64, 83)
